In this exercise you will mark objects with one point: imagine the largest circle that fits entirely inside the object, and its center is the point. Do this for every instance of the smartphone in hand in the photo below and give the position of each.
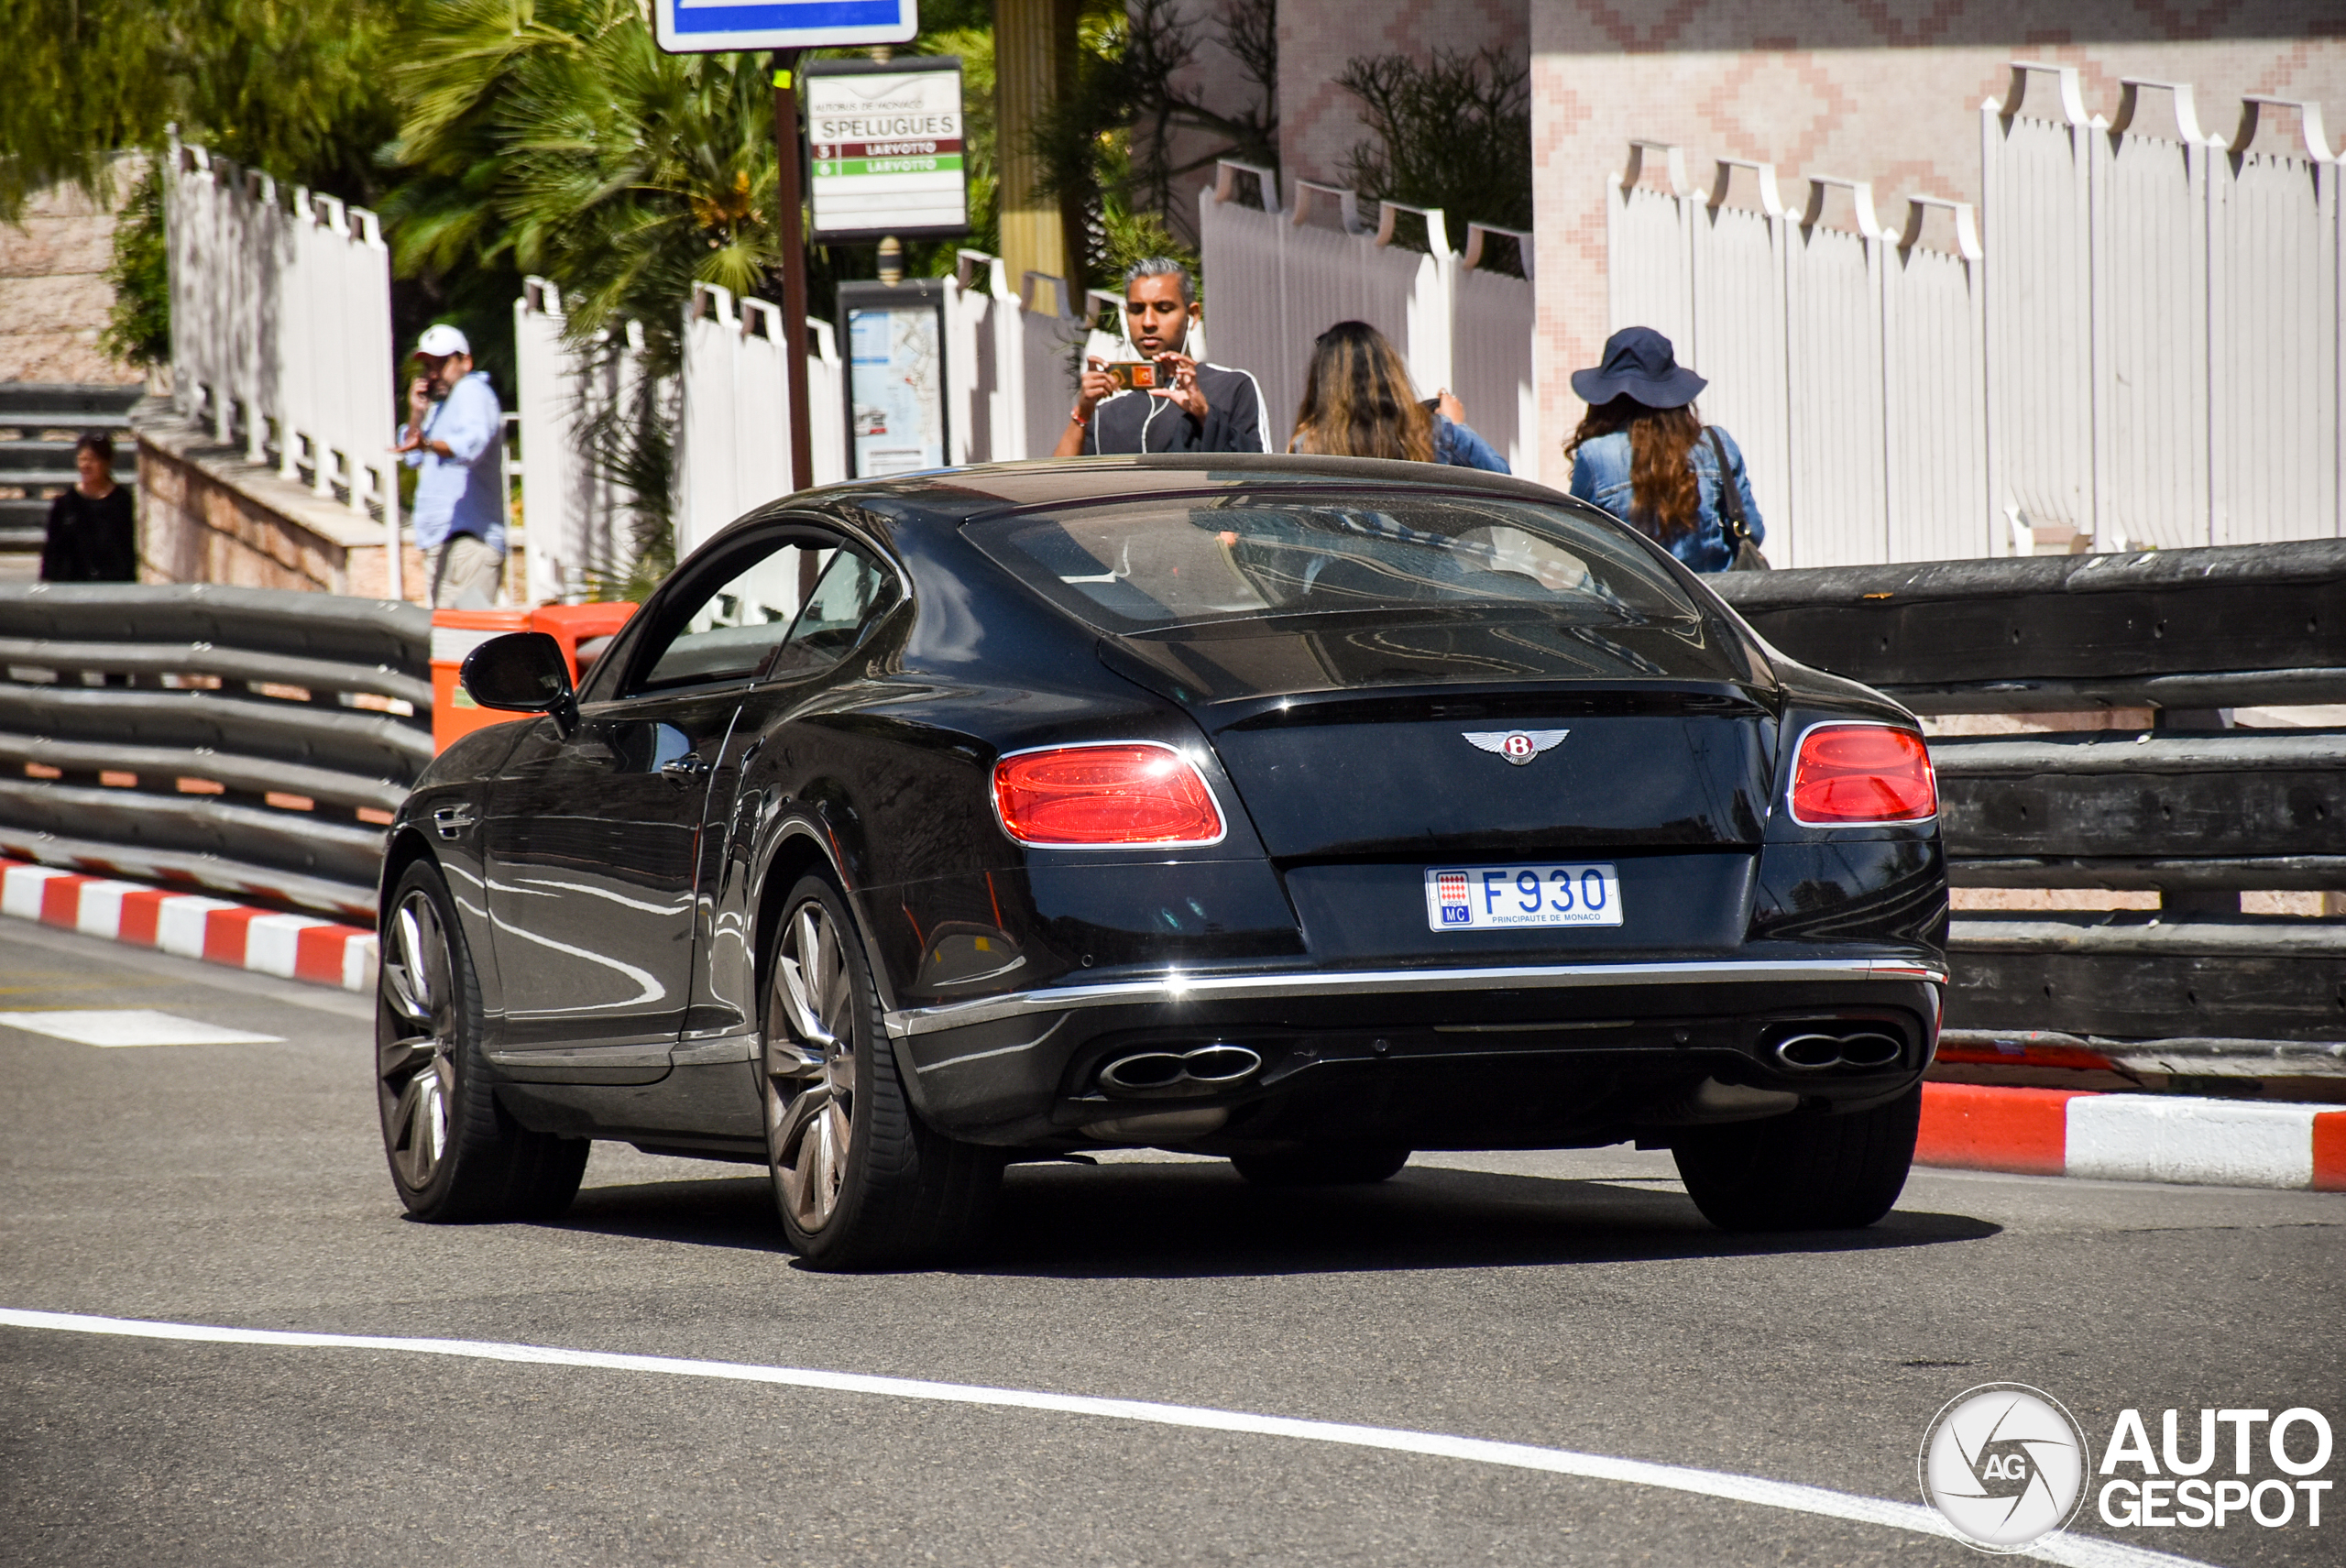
(1132, 375)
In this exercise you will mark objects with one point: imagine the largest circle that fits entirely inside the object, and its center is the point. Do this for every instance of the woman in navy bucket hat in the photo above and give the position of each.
(1643, 453)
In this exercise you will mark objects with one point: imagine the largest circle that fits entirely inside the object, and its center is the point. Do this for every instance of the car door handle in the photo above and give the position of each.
(683, 769)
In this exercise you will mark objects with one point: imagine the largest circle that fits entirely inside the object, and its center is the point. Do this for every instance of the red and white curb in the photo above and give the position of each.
(2033, 1131)
(291, 946)
(2133, 1137)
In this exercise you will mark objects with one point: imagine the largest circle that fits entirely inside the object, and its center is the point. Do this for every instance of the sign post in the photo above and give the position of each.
(886, 139)
(785, 27)
(792, 244)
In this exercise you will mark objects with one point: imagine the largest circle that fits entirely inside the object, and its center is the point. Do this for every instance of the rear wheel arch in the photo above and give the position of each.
(793, 857)
(800, 851)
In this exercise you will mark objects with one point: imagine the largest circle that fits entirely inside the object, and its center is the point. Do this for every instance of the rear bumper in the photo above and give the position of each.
(1520, 1056)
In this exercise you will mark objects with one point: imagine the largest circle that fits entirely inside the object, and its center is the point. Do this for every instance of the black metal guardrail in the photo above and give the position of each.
(2185, 806)
(255, 741)
(252, 740)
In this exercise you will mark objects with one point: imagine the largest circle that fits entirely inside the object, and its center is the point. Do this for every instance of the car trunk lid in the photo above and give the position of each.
(1438, 736)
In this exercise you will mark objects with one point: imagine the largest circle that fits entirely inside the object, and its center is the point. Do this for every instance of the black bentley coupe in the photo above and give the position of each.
(1303, 812)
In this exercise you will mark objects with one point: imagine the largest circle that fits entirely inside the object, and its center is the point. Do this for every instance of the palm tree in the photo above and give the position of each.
(554, 137)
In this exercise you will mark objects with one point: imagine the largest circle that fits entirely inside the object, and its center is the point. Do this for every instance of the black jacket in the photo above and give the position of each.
(1138, 422)
(91, 540)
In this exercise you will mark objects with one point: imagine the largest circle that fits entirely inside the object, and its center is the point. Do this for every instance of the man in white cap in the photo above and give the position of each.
(454, 434)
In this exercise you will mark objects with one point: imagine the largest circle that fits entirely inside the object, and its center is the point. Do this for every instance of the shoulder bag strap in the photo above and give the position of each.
(1731, 495)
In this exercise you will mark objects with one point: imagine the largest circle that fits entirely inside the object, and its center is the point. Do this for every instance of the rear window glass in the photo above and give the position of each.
(1135, 566)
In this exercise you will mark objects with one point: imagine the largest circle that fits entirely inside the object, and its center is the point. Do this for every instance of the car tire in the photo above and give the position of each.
(454, 1153)
(1802, 1173)
(861, 1180)
(1321, 1165)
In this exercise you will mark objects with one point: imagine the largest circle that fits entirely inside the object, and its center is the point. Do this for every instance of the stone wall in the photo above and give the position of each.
(53, 295)
(208, 516)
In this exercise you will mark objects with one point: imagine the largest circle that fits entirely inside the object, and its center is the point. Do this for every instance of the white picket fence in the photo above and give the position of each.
(1009, 356)
(575, 514)
(2178, 300)
(2143, 350)
(1009, 381)
(1278, 274)
(1845, 356)
(733, 430)
(281, 329)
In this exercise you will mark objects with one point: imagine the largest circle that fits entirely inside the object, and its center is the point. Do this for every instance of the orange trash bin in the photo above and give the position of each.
(456, 632)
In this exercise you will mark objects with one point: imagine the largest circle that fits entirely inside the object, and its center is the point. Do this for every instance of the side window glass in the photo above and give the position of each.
(854, 591)
(734, 630)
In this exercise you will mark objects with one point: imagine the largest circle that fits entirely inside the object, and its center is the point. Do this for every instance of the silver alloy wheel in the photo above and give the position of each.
(809, 1081)
(416, 1064)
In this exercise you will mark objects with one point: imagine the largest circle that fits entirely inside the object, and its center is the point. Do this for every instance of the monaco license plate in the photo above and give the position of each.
(1489, 898)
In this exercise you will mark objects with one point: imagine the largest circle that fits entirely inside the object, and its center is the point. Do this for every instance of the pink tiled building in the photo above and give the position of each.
(1886, 91)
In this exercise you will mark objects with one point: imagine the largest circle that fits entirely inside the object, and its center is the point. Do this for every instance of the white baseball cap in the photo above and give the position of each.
(441, 340)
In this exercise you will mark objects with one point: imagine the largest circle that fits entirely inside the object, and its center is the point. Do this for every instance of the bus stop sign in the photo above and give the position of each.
(708, 26)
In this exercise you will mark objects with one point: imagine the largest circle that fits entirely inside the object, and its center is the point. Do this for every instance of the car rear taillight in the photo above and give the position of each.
(1862, 773)
(1088, 795)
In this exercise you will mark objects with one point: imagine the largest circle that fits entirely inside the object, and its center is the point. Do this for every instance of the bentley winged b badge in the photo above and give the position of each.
(1518, 746)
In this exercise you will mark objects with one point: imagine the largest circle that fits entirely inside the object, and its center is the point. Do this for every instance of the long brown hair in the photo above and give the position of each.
(1358, 400)
(1665, 498)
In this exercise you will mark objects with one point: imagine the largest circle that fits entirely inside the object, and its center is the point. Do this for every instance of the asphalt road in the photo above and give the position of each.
(1573, 1301)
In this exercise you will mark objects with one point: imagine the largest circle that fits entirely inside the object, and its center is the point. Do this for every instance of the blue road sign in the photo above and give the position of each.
(707, 27)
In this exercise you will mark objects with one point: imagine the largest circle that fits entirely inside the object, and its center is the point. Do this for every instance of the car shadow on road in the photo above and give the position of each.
(1191, 1219)
(1200, 1219)
(734, 1211)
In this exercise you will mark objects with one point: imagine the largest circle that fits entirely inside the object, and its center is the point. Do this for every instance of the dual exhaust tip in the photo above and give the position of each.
(1224, 1066)
(1198, 1071)
(1814, 1051)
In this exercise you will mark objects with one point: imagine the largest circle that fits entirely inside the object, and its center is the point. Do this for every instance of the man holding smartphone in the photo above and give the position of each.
(1166, 401)
(454, 434)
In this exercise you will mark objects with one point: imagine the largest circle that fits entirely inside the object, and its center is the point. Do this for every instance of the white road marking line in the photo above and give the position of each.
(2078, 1552)
(131, 1026)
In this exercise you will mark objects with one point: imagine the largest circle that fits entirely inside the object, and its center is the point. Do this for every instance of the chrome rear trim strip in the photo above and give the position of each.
(1367, 982)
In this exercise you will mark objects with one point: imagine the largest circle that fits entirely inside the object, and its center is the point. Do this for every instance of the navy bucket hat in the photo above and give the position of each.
(1638, 362)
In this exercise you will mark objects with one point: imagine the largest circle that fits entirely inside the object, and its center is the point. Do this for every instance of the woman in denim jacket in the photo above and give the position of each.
(1358, 402)
(1641, 453)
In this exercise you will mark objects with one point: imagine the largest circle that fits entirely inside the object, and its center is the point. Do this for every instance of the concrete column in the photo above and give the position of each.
(1034, 53)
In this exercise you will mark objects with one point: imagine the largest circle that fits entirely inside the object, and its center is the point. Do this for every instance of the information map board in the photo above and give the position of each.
(896, 380)
(884, 144)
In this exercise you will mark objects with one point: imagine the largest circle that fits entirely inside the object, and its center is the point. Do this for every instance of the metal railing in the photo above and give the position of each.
(2184, 804)
(249, 741)
(255, 742)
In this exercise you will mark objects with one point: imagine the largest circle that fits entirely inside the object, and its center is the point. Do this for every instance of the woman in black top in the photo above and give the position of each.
(92, 532)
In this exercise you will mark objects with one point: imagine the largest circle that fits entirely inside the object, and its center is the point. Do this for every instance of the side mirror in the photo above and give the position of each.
(522, 672)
